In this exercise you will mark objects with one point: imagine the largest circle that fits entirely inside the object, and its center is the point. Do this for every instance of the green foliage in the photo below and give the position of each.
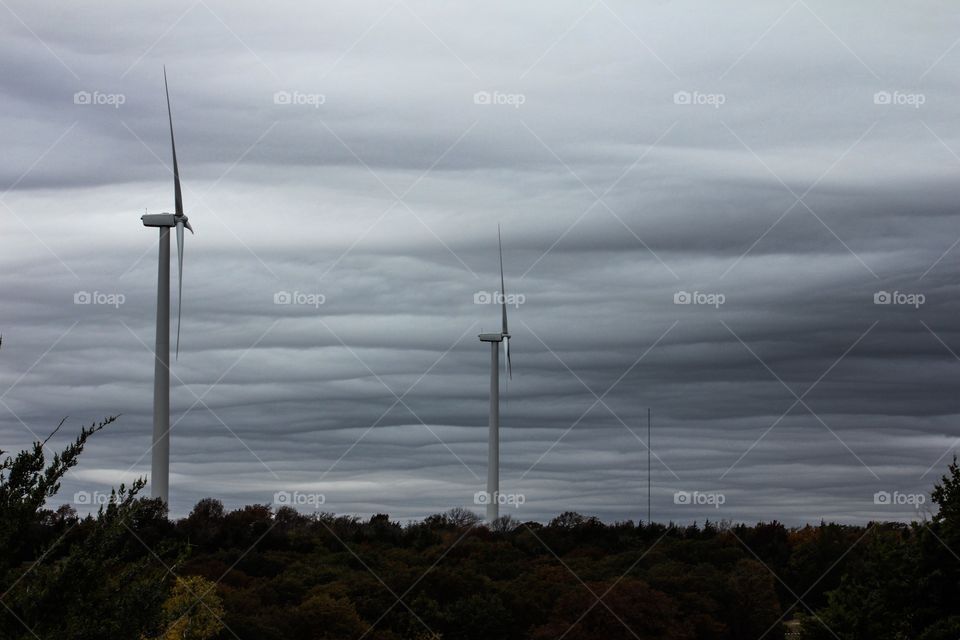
(193, 611)
(26, 482)
(946, 495)
(899, 582)
(66, 577)
(128, 572)
(63, 577)
(753, 605)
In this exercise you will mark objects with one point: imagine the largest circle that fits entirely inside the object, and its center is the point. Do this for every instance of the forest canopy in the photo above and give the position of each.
(128, 571)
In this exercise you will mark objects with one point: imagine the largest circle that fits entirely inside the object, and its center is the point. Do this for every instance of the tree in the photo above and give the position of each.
(755, 609)
(106, 579)
(459, 517)
(204, 525)
(193, 611)
(901, 581)
(504, 524)
(26, 483)
(629, 609)
(323, 616)
(97, 578)
(946, 495)
(567, 520)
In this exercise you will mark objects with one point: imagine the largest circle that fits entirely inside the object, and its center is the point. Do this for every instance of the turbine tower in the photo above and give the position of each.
(160, 464)
(493, 443)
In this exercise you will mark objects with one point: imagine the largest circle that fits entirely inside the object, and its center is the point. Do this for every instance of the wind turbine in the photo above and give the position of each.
(160, 464)
(493, 443)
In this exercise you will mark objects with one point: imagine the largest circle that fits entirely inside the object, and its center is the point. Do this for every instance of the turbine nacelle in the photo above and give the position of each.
(493, 337)
(165, 220)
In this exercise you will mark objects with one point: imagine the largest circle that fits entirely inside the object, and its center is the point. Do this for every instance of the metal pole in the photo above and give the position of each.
(160, 467)
(493, 445)
(649, 518)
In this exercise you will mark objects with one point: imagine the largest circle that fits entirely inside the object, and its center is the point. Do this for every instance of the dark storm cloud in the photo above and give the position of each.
(797, 199)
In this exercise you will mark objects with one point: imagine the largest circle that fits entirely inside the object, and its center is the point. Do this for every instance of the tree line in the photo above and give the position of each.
(257, 573)
(128, 571)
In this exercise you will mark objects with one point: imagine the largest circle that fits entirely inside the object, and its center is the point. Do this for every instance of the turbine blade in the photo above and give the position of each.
(503, 293)
(506, 348)
(178, 199)
(180, 284)
(506, 368)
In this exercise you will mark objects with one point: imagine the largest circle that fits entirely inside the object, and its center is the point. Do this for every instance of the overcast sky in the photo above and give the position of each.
(784, 161)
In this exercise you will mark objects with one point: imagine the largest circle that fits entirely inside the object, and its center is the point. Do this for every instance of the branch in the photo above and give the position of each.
(54, 432)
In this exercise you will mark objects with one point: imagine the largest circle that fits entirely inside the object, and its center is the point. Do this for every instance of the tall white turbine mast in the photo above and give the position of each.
(160, 466)
(493, 443)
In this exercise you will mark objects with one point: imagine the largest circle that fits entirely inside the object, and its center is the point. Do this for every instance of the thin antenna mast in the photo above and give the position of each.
(649, 519)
